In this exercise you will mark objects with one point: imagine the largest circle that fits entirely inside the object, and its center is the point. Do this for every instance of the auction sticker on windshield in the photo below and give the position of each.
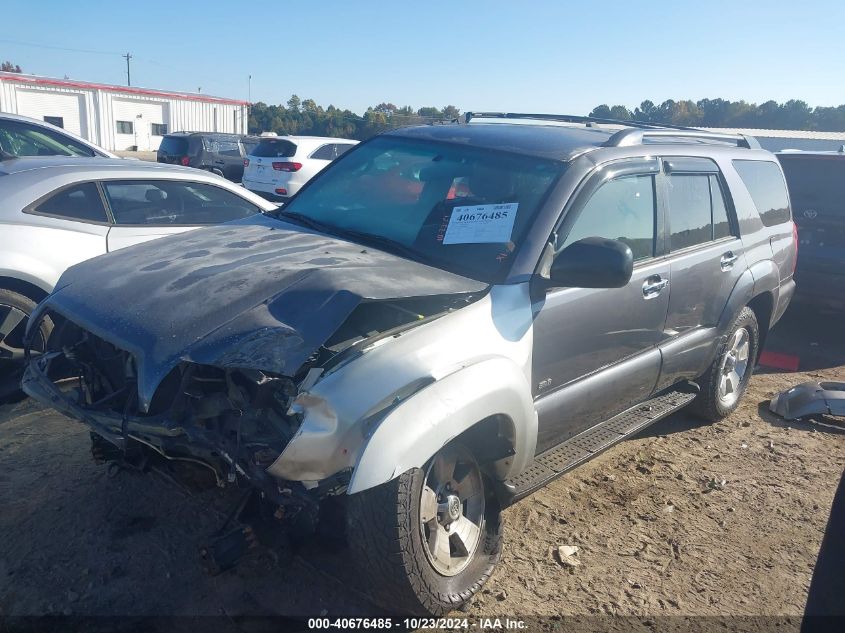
(481, 224)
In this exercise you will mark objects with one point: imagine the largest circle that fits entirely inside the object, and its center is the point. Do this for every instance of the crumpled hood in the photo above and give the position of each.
(256, 293)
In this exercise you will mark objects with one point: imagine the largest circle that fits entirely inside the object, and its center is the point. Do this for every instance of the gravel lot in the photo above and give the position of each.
(658, 532)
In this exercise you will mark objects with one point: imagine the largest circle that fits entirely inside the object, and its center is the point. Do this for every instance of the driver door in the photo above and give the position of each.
(595, 350)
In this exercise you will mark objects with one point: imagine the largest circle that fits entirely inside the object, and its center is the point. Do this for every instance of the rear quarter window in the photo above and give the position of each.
(764, 181)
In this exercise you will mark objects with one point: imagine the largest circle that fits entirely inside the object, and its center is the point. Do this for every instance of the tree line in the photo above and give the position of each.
(305, 117)
(790, 115)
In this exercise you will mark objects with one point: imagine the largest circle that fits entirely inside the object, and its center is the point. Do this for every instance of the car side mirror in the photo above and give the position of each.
(593, 262)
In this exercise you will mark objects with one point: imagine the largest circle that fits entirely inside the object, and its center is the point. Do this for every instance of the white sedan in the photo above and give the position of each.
(58, 211)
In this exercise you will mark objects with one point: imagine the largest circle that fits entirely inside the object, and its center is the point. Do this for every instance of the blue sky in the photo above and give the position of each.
(530, 56)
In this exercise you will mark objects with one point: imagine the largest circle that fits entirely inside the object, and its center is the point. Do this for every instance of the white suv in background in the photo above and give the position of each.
(280, 165)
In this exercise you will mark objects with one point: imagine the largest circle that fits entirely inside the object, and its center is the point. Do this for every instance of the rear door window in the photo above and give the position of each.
(342, 148)
(173, 202)
(228, 147)
(721, 223)
(622, 209)
(275, 148)
(689, 210)
(765, 183)
(81, 203)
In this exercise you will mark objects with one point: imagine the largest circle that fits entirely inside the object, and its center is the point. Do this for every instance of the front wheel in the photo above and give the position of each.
(429, 539)
(15, 310)
(727, 378)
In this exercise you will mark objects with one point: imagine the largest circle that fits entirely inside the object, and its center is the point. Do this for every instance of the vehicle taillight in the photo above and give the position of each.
(281, 191)
(185, 160)
(795, 241)
(287, 166)
(246, 162)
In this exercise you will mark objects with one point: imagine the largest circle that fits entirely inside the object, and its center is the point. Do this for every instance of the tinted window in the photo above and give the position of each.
(228, 148)
(816, 183)
(249, 145)
(766, 186)
(275, 148)
(174, 145)
(58, 121)
(721, 224)
(342, 148)
(80, 202)
(326, 152)
(164, 202)
(622, 209)
(23, 139)
(689, 210)
(124, 127)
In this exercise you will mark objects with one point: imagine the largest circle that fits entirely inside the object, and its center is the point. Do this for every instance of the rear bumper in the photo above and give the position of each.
(266, 190)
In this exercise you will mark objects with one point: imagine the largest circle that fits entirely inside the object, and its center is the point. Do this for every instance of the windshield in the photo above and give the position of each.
(24, 139)
(459, 208)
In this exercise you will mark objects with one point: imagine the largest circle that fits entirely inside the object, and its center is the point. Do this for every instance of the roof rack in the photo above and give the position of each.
(635, 133)
(625, 138)
(569, 118)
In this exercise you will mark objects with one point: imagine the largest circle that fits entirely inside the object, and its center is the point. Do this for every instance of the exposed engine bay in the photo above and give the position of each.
(234, 422)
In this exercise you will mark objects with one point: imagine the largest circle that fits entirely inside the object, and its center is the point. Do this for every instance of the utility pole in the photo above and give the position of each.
(128, 79)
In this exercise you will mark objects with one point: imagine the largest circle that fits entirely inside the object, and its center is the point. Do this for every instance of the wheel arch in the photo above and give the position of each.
(497, 421)
(26, 288)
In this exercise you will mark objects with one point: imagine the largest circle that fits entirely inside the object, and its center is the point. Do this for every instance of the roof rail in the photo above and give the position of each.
(625, 138)
(635, 132)
(570, 118)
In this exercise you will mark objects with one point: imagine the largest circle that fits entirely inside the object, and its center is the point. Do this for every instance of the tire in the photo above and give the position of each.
(715, 403)
(15, 310)
(387, 538)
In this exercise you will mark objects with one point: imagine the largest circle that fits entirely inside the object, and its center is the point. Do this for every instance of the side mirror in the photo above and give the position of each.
(593, 262)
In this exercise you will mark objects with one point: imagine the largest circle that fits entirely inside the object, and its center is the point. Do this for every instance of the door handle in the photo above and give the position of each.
(653, 286)
(728, 260)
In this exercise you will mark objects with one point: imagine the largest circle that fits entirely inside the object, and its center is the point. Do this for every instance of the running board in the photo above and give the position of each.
(576, 450)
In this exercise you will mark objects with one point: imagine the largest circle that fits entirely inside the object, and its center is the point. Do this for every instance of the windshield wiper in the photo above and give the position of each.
(387, 244)
(304, 220)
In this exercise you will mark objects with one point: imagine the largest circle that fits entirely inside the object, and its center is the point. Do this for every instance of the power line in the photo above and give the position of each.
(59, 48)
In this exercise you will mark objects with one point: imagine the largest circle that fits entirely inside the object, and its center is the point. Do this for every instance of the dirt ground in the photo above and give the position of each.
(686, 519)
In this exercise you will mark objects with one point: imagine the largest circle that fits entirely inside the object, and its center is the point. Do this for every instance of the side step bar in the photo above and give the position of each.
(576, 450)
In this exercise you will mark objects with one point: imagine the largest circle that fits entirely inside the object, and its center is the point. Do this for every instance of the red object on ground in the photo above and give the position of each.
(779, 361)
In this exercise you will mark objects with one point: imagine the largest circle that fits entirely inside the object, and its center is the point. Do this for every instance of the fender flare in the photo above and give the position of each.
(419, 427)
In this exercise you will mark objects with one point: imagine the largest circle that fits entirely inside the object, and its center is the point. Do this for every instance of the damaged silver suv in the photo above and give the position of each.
(444, 320)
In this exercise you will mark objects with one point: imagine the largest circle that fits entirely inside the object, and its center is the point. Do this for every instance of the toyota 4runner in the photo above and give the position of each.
(441, 322)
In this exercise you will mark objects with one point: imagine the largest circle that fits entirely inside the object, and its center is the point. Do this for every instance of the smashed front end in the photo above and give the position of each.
(232, 421)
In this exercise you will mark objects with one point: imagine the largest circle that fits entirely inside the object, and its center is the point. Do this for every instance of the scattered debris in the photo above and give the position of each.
(668, 509)
(568, 555)
(716, 484)
(810, 398)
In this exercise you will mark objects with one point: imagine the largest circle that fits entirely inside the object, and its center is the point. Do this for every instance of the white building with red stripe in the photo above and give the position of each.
(118, 117)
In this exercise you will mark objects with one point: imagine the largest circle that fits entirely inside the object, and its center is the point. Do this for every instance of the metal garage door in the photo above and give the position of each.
(69, 108)
(141, 115)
